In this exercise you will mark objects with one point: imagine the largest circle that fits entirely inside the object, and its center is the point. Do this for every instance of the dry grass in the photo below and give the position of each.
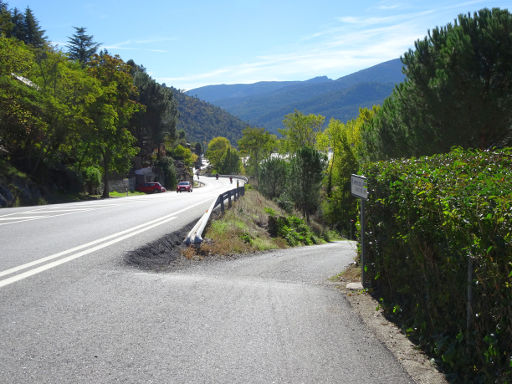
(352, 274)
(242, 229)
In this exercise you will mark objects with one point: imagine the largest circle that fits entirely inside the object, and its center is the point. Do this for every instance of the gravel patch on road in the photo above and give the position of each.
(168, 254)
(160, 255)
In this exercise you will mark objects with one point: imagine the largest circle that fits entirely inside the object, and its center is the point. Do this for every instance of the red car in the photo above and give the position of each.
(151, 187)
(184, 186)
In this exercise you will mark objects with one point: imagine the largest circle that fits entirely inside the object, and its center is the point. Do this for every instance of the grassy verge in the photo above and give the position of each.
(255, 224)
(124, 194)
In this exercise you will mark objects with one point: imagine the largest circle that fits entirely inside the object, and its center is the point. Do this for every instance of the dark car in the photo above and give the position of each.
(184, 186)
(151, 187)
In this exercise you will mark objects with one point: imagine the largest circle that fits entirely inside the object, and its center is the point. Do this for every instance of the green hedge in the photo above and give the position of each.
(431, 223)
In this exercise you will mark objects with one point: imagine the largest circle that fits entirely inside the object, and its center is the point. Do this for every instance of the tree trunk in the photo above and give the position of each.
(329, 182)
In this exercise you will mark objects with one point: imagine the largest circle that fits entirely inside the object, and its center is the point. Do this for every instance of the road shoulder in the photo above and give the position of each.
(413, 360)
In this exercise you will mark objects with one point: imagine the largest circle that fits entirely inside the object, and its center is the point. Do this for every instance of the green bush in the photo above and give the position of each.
(429, 222)
(293, 229)
(92, 178)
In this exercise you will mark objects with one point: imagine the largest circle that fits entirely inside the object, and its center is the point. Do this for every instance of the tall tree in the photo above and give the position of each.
(81, 46)
(157, 120)
(300, 130)
(110, 138)
(338, 206)
(198, 149)
(257, 144)
(34, 35)
(230, 163)
(18, 25)
(6, 24)
(273, 177)
(307, 167)
(21, 122)
(457, 90)
(217, 147)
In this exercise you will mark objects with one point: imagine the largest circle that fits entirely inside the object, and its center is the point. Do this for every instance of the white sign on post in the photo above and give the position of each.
(358, 186)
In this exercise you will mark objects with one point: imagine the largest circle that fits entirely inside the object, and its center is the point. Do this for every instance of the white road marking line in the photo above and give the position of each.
(64, 210)
(44, 210)
(21, 218)
(56, 263)
(82, 205)
(71, 250)
(119, 236)
(16, 213)
(18, 221)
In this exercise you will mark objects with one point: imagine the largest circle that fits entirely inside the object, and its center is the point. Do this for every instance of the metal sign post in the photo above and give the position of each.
(358, 188)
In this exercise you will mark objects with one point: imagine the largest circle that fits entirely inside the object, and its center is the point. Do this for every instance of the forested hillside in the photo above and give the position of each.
(72, 121)
(202, 121)
(265, 104)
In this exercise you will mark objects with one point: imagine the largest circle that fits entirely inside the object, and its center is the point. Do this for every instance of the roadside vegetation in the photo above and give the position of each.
(256, 224)
(437, 158)
(441, 260)
(73, 121)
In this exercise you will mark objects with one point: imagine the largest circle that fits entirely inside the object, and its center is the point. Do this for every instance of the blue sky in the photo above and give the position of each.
(192, 43)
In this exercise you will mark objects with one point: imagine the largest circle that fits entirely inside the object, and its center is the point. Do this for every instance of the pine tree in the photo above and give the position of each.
(6, 24)
(81, 46)
(18, 25)
(34, 35)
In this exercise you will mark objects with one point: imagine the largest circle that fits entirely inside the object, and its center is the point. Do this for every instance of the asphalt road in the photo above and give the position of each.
(271, 318)
(34, 234)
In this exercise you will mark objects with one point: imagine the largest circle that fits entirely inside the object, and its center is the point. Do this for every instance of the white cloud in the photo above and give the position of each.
(350, 44)
(135, 44)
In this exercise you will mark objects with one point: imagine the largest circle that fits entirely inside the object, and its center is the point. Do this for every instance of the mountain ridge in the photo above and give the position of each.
(202, 121)
(265, 103)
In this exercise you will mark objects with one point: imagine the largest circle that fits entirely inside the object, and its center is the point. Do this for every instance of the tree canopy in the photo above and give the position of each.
(217, 147)
(157, 120)
(457, 91)
(307, 167)
(21, 26)
(300, 130)
(256, 144)
(81, 46)
(111, 113)
(34, 35)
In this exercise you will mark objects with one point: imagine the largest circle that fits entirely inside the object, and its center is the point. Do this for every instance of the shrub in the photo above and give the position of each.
(430, 221)
(92, 179)
(293, 229)
(168, 171)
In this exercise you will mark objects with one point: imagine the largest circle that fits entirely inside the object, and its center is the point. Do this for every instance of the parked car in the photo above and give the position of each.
(151, 187)
(184, 186)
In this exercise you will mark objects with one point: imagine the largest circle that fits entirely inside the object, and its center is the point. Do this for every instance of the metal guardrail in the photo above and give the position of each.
(244, 178)
(195, 234)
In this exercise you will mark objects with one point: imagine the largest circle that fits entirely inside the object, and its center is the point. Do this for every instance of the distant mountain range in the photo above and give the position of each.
(265, 104)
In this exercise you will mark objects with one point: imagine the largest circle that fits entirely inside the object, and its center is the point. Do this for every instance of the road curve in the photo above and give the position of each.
(34, 239)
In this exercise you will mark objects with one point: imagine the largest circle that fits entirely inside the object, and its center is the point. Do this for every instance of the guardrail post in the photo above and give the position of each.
(229, 199)
(221, 197)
